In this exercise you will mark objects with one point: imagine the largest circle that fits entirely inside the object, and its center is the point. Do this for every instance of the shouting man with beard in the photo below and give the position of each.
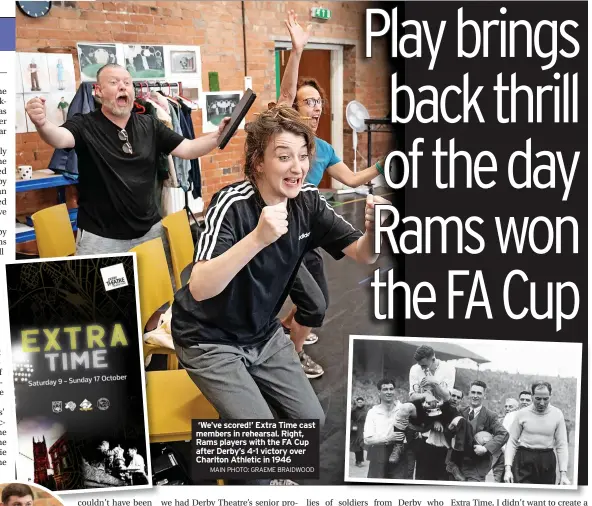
(117, 158)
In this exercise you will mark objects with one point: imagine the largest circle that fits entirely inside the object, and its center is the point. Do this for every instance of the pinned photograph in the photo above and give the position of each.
(93, 55)
(463, 412)
(78, 375)
(29, 96)
(34, 73)
(21, 115)
(217, 106)
(18, 85)
(57, 106)
(144, 62)
(61, 72)
(183, 63)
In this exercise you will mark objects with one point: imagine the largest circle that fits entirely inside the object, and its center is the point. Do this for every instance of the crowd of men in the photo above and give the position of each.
(132, 470)
(222, 107)
(443, 433)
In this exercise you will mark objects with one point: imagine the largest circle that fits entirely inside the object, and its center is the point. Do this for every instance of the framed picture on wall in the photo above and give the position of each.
(216, 106)
(144, 61)
(93, 55)
(183, 63)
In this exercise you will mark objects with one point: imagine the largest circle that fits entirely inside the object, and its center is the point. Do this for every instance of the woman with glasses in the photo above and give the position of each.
(310, 293)
(117, 160)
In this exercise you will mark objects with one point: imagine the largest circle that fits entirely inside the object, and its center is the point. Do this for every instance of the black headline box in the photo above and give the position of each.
(563, 134)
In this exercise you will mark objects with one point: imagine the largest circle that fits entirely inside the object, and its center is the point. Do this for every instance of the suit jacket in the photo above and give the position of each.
(488, 421)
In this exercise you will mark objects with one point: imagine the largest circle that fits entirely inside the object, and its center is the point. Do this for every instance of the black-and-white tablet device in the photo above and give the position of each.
(239, 113)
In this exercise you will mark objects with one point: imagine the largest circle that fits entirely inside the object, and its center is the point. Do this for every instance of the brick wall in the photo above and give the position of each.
(215, 26)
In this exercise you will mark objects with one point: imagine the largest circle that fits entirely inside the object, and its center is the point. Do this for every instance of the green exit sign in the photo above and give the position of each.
(320, 13)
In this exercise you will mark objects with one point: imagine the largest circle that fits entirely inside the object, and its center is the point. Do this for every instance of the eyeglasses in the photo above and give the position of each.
(127, 147)
(311, 102)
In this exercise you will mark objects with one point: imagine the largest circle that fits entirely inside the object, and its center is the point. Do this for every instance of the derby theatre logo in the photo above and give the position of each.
(114, 277)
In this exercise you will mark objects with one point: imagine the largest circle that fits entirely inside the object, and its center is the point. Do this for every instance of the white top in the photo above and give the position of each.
(136, 464)
(509, 419)
(539, 431)
(507, 423)
(444, 373)
(379, 424)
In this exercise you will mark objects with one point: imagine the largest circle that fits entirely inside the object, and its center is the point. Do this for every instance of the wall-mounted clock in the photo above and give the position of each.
(34, 9)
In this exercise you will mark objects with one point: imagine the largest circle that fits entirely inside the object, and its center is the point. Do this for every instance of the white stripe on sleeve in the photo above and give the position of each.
(213, 216)
(312, 188)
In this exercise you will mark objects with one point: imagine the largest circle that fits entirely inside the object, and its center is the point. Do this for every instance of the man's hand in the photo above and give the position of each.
(563, 479)
(427, 381)
(394, 437)
(438, 427)
(223, 124)
(508, 476)
(454, 423)
(273, 223)
(420, 396)
(479, 450)
(36, 111)
(297, 34)
(371, 201)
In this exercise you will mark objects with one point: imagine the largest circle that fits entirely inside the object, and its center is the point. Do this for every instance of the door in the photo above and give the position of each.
(314, 63)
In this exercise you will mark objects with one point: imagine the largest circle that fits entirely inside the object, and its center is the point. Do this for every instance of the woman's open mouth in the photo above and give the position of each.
(292, 182)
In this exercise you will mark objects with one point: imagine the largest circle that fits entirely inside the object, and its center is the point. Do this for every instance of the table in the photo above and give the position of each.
(377, 125)
(44, 179)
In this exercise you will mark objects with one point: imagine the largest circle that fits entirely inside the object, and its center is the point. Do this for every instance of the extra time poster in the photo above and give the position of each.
(78, 373)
